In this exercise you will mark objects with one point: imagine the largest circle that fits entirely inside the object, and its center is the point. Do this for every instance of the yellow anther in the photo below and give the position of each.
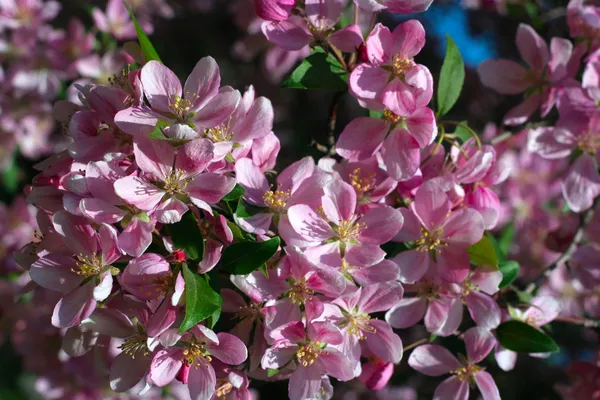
(401, 65)
(195, 350)
(88, 265)
(277, 200)
(349, 229)
(308, 353)
(362, 184)
(300, 292)
(467, 373)
(389, 116)
(430, 241)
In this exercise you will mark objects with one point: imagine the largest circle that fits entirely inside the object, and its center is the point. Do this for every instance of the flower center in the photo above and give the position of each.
(299, 292)
(179, 106)
(467, 373)
(589, 142)
(193, 351)
(428, 290)
(389, 116)
(359, 324)
(360, 183)
(468, 287)
(250, 313)
(401, 65)
(174, 182)
(277, 200)
(349, 229)
(88, 265)
(220, 133)
(308, 353)
(135, 344)
(430, 241)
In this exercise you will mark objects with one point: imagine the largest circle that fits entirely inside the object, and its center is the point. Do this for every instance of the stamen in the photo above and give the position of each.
(277, 200)
(308, 353)
(401, 65)
(349, 229)
(88, 265)
(299, 292)
(364, 184)
(135, 344)
(430, 241)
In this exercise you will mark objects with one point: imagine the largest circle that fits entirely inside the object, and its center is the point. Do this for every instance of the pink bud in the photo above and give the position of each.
(184, 373)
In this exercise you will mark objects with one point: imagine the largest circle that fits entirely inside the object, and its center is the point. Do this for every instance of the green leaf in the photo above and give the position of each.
(452, 78)
(237, 192)
(214, 318)
(501, 255)
(201, 301)
(147, 48)
(10, 178)
(244, 258)
(375, 114)
(245, 210)
(271, 372)
(318, 71)
(158, 133)
(523, 338)
(186, 235)
(506, 238)
(483, 252)
(510, 271)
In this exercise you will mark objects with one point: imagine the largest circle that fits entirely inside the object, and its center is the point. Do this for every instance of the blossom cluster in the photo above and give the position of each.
(171, 254)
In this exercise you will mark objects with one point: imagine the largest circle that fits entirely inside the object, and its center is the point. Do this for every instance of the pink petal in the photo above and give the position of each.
(258, 121)
(408, 312)
(444, 317)
(53, 272)
(194, 156)
(136, 237)
(165, 366)
(230, 349)
(380, 297)
(504, 76)
(542, 310)
(484, 310)
(210, 187)
(74, 307)
(368, 81)
(203, 83)
(487, 387)
(382, 224)
(304, 383)
(413, 265)
(551, 143)
(399, 97)
(431, 206)
(523, 111)
(109, 321)
(407, 6)
(422, 126)
(218, 109)
(379, 45)
(309, 224)
(409, 38)
(79, 236)
(376, 375)
(100, 211)
(401, 155)
(364, 255)
(126, 372)
(361, 138)
(336, 364)
(202, 381)
(160, 85)
(582, 184)
(532, 47)
(479, 343)
(464, 227)
(347, 39)
(138, 192)
(452, 388)
(339, 201)
(453, 263)
(252, 179)
(384, 343)
(278, 355)
(170, 211)
(285, 34)
(432, 360)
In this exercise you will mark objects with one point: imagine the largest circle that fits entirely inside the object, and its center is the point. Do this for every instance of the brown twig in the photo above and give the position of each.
(415, 344)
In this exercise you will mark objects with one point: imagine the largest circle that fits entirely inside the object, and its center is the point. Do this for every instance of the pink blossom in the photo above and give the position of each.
(441, 235)
(311, 348)
(434, 360)
(116, 21)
